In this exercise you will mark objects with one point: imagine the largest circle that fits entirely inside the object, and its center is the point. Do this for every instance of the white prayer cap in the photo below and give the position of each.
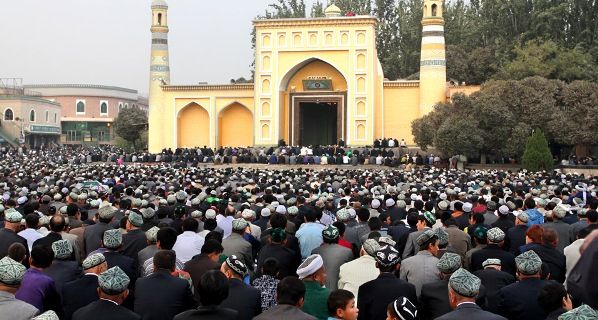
(467, 207)
(310, 266)
(281, 209)
(265, 212)
(390, 202)
(375, 204)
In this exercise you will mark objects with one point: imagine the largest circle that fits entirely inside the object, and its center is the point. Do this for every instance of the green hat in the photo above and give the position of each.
(107, 212)
(449, 263)
(13, 216)
(480, 232)
(11, 272)
(343, 215)
(495, 235)
(429, 216)
(371, 246)
(113, 281)
(93, 260)
(330, 233)
(464, 283)
(48, 315)
(443, 236)
(135, 219)
(528, 263)
(425, 236)
(278, 235)
(293, 210)
(152, 234)
(491, 262)
(240, 224)
(583, 312)
(62, 249)
(112, 238)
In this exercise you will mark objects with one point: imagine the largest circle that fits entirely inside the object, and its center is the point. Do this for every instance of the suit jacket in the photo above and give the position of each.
(334, 256)
(553, 258)
(564, 232)
(288, 260)
(375, 295)
(8, 237)
(515, 238)
(519, 301)
(93, 236)
(63, 271)
(197, 267)
(411, 247)
(286, 312)
(208, 313)
(400, 234)
(243, 298)
(125, 263)
(434, 301)
(459, 240)
(470, 311)
(235, 244)
(507, 259)
(420, 269)
(493, 280)
(102, 309)
(79, 293)
(133, 242)
(162, 296)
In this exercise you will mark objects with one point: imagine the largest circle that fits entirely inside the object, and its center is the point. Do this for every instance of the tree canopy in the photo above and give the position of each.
(130, 124)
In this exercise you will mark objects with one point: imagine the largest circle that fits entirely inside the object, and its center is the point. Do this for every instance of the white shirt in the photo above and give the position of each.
(357, 272)
(572, 255)
(187, 245)
(31, 235)
(226, 224)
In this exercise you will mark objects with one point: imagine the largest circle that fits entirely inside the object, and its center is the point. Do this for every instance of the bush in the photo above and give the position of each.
(537, 155)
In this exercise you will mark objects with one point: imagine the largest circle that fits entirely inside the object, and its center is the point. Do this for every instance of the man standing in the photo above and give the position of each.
(361, 270)
(31, 234)
(434, 296)
(424, 223)
(494, 250)
(134, 240)
(206, 261)
(8, 234)
(213, 288)
(83, 291)
(236, 245)
(93, 234)
(493, 279)
(63, 269)
(241, 297)
(11, 275)
(333, 255)
(188, 244)
(313, 274)
(563, 230)
(516, 235)
(422, 267)
(309, 234)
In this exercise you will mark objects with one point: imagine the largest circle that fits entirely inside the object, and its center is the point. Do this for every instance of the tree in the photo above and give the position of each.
(317, 10)
(129, 124)
(575, 118)
(537, 155)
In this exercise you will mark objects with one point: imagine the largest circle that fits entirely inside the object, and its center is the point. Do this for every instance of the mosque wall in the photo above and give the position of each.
(401, 101)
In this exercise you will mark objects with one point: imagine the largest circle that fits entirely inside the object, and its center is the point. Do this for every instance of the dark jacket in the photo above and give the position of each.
(555, 260)
(93, 236)
(470, 311)
(208, 313)
(79, 293)
(133, 242)
(288, 261)
(519, 301)
(8, 237)
(515, 238)
(162, 296)
(102, 310)
(493, 251)
(434, 300)
(125, 263)
(375, 295)
(197, 267)
(493, 280)
(63, 271)
(243, 298)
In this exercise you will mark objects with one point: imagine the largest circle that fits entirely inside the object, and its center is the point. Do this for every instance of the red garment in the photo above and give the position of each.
(479, 208)
(345, 243)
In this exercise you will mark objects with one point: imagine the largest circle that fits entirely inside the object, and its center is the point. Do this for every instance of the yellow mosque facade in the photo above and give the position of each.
(316, 81)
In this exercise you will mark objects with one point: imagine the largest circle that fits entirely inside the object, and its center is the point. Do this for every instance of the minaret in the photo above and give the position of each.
(159, 73)
(432, 71)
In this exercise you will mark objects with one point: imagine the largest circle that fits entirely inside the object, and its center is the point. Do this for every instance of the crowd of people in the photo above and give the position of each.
(86, 237)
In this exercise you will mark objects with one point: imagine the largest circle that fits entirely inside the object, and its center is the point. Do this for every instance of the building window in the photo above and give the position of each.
(120, 106)
(126, 106)
(104, 107)
(47, 116)
(32, 116)
(80, 107)
(8, 115)
(434, 10)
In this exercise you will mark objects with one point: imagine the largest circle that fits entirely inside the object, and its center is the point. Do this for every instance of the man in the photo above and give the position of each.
(63, 269)
(236, 245)
(38, 289)
(241, 297)
(134, 240)
(8, 234)
(424, 223)
(463, 288)
(333, 255)
(434, 298)
(112, 290)
(534, 215)
(480, 240)
(572, 252)
(165, 240)
(375, 295)
(213, 289)
(356, 233)
(148, 252)
(519, 301)
(515, 236)
(505, 219)
(188, 244)
(290, 294)
(11, 275)
(361, 270)
(582, 223)
(563, 230)
(493, 279)
(31, 234)
(582, 312)
(313, 274)
(422, 267)
(83, 291)
(161, 295)
(494, 250)
(204, 262)
(490, 216)
(288, 261)
(309, 234)
(459, 240)
(57, 225)
(93, 234)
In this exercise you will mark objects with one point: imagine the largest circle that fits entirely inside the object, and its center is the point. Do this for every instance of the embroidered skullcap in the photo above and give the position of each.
(352, 213)
(511, 205)
(106, 212)
(152, 234)
(62, 249)
(495, 235)
(371, 246)
(583, 312)
(559, 212)
(248, 214)
(491, 205)
(196, 214)
(11, 272)
(449, 263)
(528, 263)
(181, 195)
(113, 281)
(171, 198)
(390, 202)
(405, 309)
(343, 215)
(278, 235)
(491, 262)
(424, 237)
(240, 224)
(375, 204)
(429, 216)
(13, 216)
(135, 219)
(443, 236)
(48, 315)
(210, 214)
(523, 217)
(112, 238)
(236, 265)
(467, 206)
(180, 210)
(136, 203)
(293, 210)
(265, 212)
(464, 283)
(310, 266)
(330, 233)
(148, 213)
(387, 256)
(386, 241)
(443, 205)
(480, 232)
(93, 260)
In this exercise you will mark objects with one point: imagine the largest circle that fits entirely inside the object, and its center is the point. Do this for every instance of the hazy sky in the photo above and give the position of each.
(108, 41)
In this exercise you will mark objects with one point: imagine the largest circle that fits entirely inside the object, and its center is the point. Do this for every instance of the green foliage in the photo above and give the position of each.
(537, 155)
(317, 10)
(130, 124)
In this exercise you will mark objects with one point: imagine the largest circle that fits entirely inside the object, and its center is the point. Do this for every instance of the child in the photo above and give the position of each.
(341, 305)
(267, 283)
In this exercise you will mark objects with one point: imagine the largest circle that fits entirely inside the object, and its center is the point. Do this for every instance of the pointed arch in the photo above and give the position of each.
(193, 126)
(284, 82)
(235, 126)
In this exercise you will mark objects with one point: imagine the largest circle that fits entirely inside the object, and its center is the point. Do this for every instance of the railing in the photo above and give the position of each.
(81, 138)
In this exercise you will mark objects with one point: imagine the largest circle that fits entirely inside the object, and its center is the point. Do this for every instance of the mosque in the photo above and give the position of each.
(317, 80)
